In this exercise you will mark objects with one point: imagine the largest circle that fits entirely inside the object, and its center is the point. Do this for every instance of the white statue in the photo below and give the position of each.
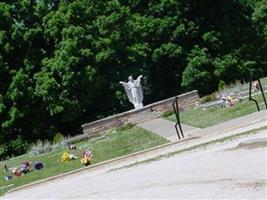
(134, 91)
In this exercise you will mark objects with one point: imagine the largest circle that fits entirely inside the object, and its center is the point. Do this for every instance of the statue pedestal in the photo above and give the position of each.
(137, 106)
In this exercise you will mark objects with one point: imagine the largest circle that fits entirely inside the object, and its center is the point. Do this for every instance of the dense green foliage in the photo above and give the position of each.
(61, 60)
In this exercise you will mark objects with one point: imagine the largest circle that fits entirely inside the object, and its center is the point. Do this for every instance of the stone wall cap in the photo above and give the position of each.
(136, 111)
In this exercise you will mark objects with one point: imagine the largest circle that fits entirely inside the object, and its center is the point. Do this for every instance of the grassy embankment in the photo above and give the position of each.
(119, 142)
(203, 118)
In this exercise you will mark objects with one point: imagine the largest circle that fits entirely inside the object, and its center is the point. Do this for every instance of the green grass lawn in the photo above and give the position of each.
(263, 81)
(203, 118)
(115, 144)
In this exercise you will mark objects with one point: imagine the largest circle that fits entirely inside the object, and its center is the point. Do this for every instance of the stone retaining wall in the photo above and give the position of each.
(147, 112)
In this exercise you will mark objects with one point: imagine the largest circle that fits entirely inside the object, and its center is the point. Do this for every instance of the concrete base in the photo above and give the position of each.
(138, 106)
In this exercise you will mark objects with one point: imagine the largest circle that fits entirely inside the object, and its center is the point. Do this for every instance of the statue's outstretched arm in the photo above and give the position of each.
(124, 84)
(138, 80)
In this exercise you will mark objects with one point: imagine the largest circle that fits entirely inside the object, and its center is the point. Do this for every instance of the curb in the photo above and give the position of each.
(102, 164)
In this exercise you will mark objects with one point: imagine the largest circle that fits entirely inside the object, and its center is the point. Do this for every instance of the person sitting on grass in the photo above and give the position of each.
(222, 101)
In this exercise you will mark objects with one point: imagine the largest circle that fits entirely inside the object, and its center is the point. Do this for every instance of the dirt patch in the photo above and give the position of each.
(251, 144)
(253, 184)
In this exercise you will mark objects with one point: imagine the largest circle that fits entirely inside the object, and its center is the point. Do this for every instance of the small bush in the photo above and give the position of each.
(125, 127)
(222, 85)
(3, 151)
(209, 98)
(167, 113)
(17, 146)
(40, 147)
(58, 138)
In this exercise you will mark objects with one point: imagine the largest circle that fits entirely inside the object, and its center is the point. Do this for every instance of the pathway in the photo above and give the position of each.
(166, 128)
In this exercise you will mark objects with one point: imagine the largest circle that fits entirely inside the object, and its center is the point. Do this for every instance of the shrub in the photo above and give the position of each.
(40, 147)
(3, 151)
(125, 127)
(17, 146)
(167, 113)
(58, 138)
(208, 98)
(221, 86)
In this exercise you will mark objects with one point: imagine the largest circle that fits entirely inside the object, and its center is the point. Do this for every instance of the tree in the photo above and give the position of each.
(61, 61)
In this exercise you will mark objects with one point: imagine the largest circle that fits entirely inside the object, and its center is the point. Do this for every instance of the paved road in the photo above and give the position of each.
(220, 171)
